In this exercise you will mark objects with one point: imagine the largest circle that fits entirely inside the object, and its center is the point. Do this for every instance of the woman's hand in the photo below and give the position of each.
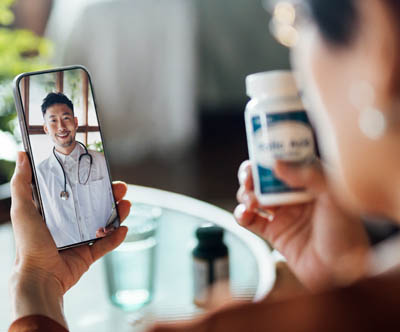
(322, 244)
(41, 273)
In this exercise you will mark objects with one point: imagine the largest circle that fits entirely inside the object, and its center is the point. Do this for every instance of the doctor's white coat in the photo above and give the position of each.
(89, 206)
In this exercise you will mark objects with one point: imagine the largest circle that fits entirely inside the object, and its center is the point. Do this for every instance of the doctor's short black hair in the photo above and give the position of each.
(56, 98)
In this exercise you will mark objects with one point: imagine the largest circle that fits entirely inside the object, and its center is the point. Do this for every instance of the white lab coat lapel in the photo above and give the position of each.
(95, 200)
(60, 214)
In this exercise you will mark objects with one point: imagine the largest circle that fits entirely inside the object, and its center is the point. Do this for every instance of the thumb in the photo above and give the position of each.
(22, 204)
(21, 190)
(27, 223)
(308, 176)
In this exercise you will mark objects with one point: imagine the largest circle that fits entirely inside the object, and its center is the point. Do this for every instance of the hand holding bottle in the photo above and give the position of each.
(323, 245)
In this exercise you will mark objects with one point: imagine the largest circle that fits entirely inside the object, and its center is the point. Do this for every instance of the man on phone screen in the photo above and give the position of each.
(73, 182)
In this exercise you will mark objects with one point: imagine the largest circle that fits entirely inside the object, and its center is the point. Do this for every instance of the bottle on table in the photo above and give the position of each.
(210, 263)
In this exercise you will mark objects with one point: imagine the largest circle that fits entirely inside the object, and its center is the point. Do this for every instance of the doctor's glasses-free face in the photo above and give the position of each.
(61, 125)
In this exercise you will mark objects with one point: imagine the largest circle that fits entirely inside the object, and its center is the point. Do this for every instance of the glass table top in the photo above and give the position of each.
(87, 305)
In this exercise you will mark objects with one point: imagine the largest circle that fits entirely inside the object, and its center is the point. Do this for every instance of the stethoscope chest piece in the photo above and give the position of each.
(64, 195)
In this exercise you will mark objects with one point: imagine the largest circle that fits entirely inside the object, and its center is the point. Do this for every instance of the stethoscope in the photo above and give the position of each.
(64, 194)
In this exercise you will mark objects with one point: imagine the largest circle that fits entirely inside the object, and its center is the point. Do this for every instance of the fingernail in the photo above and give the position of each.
(239, 211)
(242, 177)
(270, 216)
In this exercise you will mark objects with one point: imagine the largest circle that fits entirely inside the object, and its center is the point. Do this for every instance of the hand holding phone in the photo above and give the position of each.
(42, 274)
(71, 179)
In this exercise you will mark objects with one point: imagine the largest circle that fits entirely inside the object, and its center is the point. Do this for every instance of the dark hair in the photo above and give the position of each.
(337, 19)
(56, 98)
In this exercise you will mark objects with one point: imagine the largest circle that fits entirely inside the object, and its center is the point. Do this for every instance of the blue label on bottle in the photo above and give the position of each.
(299, 116)
(283, 136)
(269, 183)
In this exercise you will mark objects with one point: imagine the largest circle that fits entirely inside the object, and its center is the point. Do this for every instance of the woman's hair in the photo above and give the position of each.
(338, 19)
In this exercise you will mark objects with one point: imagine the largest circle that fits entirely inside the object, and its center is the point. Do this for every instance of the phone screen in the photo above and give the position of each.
(64, 140)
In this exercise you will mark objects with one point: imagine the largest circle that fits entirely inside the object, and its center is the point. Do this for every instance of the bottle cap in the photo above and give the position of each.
(210, 234)
(272, 84)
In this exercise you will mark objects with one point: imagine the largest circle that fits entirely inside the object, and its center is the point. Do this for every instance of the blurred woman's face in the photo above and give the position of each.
(327, 73)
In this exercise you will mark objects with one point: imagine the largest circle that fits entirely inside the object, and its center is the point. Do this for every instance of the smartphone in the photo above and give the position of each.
(62, 136)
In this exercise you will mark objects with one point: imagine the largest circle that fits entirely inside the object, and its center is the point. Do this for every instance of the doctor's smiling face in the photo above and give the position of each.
(59, 122)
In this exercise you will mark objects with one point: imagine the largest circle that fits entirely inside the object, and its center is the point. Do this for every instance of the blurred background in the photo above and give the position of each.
(169, 80)
(168, 76)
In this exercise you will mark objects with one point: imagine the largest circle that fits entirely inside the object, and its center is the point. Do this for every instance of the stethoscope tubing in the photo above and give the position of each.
(64, 194)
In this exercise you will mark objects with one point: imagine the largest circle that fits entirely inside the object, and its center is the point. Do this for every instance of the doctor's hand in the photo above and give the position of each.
(104, 231)
(323, 245)
(41, 273)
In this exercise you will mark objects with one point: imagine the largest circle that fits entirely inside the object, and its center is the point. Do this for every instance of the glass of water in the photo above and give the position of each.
(130, 267)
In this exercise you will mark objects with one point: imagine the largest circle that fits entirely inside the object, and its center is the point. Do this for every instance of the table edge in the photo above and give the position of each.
(197, 208)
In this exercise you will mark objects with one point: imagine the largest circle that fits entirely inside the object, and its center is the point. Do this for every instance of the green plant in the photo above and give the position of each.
(20, 51)
(96, 146)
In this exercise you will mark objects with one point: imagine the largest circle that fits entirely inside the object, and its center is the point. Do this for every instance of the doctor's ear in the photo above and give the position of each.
(76, 121)
(45, 129)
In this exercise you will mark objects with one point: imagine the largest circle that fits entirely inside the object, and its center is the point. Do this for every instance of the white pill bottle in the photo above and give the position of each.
(277, 128)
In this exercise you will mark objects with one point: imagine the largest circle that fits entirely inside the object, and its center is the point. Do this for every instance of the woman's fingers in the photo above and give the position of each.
(243, 215)
(24, 214)
(246, 217)
(119, 189)
(245, 175)
(124, 208)
(100, 232)
(251, 204)
(21, 191)
(30, 231)
(309, 176)
(247, 197)
(271, 229)
(250, 220)
(108, 243)
(253, 216)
